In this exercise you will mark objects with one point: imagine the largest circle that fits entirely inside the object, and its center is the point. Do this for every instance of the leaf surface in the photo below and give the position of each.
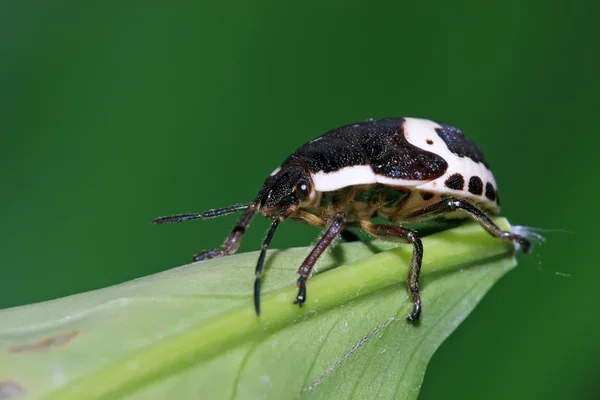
(191, 332)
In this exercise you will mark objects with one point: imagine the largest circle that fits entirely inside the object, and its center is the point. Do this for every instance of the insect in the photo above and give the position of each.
(405, 170)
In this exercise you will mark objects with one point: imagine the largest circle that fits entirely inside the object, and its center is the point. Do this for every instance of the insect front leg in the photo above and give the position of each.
(399, 234)
(261, 263)
(232, 242)
(336, 226)
(450, 204)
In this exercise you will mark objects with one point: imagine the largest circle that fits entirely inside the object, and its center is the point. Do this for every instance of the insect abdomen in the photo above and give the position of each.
(361, 201)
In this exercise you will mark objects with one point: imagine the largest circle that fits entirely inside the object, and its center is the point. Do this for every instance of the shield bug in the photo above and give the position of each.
(405, 170)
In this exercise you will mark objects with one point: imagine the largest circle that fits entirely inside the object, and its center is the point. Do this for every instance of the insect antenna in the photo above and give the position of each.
(260, 263)
(219, 212)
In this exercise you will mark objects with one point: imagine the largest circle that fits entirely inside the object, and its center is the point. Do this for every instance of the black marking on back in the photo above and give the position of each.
(379, 143)
(459, 144)
(455, 181)
(490, 192)
(476, 185)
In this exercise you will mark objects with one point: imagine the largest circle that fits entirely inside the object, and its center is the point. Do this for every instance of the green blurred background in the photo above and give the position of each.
(114, 113)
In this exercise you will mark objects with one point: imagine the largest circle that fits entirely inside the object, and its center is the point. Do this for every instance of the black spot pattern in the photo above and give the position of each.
(379, 143)
(459, 144)
(427, 195)
(455, 181)
(476, 185)
(490, 192)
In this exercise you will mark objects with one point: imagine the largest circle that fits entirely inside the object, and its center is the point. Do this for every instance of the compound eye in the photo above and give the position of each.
(302, 189)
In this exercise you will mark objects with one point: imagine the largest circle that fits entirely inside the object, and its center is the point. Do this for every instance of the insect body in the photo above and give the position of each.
(405, 170)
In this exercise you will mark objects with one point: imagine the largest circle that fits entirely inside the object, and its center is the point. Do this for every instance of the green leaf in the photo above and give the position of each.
(191, 332)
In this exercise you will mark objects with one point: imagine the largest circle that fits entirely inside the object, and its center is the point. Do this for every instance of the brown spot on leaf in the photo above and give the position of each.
(10, 390)
(44, 344)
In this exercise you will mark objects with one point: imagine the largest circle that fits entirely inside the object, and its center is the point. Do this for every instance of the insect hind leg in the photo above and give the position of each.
(451, 204)
(400, 234)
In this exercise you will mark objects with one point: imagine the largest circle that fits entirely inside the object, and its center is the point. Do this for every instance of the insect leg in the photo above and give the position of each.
(260, 263)
(232, 242)
(305, 270)
(451, 204)
(404, 235)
